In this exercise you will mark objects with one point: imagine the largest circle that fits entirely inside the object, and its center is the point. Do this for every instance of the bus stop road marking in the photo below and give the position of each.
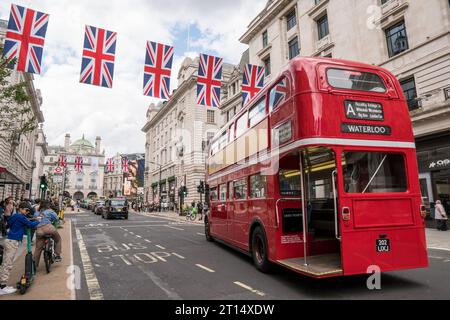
(177, 255)
(161, 247)
(205, 268)
(242, 285)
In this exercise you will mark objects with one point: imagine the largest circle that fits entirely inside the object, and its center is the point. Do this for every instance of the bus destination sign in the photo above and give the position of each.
(365, 129)
(361, 110)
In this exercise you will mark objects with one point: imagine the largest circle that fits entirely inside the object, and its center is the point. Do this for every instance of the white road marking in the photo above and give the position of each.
(205, 268)
(177, 255)
(259, 293)
(200, 234)
(148, 241)
(436, 248)
(136, 226)
(95, 293)
(161, 247)
(72, 290)
(174, 228)
(138, 236)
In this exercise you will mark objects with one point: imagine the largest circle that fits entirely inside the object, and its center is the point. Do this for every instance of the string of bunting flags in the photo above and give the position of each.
(24, 46)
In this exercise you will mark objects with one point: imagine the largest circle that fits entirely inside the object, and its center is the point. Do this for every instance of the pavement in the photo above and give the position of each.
(52, 286)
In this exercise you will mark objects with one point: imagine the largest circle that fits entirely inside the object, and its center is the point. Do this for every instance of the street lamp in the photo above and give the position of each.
(160, 171)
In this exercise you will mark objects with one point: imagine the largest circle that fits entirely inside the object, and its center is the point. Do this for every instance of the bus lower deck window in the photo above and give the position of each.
(374, 172)
(289, 182)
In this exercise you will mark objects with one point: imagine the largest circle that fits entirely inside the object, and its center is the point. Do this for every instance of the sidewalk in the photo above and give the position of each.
(438, 239)
(52, 286)
(169, 215)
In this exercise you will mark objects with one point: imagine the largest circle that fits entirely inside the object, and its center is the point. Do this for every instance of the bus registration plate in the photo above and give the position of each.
(383, 245)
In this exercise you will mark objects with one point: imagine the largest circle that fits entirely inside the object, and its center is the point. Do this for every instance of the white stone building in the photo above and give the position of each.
(177, 134)
(17, 154)
(410, 38)
(86, 184)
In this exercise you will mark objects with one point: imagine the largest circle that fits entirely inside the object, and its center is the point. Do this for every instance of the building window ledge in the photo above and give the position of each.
(323, 46)
(318, 9)
(391, 12)
(264, 51)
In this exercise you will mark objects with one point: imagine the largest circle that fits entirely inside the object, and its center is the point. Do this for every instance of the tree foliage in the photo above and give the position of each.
(16, 115)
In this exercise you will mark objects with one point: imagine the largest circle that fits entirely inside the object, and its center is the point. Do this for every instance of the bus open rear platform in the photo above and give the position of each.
(327, 265)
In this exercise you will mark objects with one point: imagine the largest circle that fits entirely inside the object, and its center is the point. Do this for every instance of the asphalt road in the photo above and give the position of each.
(158, 258)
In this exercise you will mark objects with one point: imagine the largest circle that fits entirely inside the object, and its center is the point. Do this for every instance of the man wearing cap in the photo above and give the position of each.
(17, 223)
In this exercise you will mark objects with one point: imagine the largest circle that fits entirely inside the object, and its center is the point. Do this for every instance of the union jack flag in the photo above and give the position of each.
(62, 161)
(280, 93)
(110, 165)
(157, 70)
(209, 81)
(79, 164)
(252, 82)
(125, 165)
(24, 41)
(99, 49)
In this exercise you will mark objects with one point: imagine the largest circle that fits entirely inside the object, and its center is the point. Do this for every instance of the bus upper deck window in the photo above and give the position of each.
(355, 80)
(278, 94)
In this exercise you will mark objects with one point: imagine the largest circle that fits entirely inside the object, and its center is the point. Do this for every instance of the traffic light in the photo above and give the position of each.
(43, 185)
(185, 191)
(201, 187)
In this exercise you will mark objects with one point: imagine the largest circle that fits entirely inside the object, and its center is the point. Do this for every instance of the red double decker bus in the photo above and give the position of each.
(319, 174)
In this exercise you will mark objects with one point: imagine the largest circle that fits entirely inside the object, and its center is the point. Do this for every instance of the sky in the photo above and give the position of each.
(118, 114)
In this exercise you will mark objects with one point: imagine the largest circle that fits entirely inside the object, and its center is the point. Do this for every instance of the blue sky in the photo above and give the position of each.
(118, 114)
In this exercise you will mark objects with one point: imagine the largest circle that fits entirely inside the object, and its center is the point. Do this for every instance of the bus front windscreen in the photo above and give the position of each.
(374, 172)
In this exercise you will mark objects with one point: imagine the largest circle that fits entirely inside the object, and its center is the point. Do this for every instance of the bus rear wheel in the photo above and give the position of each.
(260, 252)
(207, 231)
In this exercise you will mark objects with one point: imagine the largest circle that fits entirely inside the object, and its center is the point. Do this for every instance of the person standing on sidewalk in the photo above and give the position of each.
(17, 224)
(441, 216)
(46, 227)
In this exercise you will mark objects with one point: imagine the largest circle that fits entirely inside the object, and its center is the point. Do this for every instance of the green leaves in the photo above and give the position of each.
(16, 115)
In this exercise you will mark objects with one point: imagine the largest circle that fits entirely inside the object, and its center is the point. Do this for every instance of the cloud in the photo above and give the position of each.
(118, 114)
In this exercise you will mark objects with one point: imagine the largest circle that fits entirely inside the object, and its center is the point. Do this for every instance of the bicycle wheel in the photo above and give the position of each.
(193, 216)
(48, 260)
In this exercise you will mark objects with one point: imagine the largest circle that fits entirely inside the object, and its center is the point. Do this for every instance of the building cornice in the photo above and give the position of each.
(263, 19)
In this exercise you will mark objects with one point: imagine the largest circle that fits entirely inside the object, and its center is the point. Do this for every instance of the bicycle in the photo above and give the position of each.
(191, 214)
(49, 254)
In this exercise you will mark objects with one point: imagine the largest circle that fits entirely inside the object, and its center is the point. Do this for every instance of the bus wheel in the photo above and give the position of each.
(207, 231)
(260, 251)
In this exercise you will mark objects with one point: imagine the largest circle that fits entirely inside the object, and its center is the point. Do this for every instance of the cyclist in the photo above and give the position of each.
(46, 228)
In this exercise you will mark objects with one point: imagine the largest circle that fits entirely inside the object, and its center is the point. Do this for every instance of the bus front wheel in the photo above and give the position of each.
(260, 252)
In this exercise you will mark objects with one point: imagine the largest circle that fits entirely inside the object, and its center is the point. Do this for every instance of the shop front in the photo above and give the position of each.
(434, 167)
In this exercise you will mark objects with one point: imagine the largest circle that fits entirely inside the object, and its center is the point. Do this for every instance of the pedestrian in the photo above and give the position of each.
(46, 228)
(200, 210)
(441, 216)
(17, 223)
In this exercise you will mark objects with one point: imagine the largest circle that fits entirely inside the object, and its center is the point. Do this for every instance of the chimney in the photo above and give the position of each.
(67, 141)
(97, 145)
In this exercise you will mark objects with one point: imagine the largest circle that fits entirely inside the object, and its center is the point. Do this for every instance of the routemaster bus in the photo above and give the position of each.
(318, 173)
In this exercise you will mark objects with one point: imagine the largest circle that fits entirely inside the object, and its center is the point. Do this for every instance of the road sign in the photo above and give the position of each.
(58, 170)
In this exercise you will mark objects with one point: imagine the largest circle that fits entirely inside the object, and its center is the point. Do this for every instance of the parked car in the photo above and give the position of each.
(98, 207)
(115, 208)
(90, 204)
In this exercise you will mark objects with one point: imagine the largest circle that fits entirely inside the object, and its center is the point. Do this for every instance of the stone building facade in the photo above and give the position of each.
(17, 160)
(410, 38)
(86, 184)
(177, 134)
